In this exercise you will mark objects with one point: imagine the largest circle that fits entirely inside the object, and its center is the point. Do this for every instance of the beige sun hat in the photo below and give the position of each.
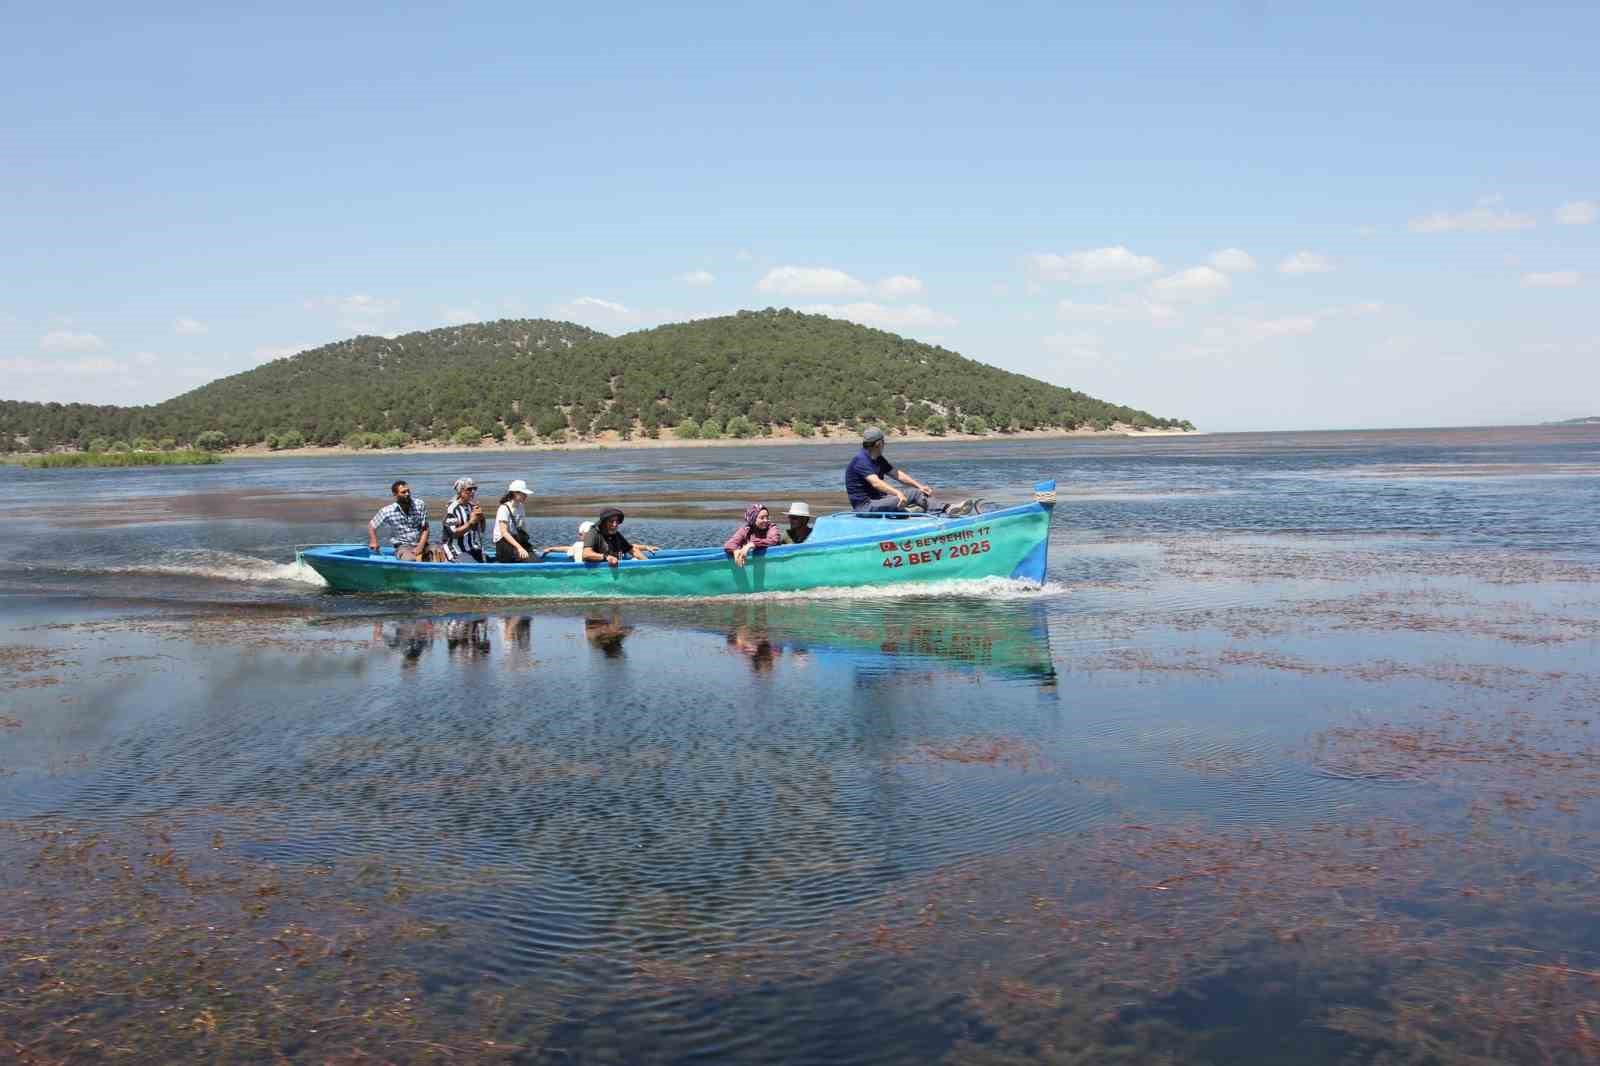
(518, 485)
(799, 509)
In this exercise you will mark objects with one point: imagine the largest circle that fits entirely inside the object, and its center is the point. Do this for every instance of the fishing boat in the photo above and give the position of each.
(845, 550)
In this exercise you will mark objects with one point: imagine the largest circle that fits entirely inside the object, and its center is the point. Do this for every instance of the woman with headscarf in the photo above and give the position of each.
(511, 543)
(463, 524)
(756, 532)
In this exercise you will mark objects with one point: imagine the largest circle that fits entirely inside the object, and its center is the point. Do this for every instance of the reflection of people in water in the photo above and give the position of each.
(518, 632)
(410, 638)
(468, 637)
(606, 633)
(755, 646)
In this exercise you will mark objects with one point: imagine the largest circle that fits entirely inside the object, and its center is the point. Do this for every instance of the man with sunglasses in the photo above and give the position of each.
(463, 525)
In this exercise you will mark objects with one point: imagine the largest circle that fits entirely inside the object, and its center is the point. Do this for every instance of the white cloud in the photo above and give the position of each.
(1254, 331)
(589, 309)
(1095, 266)
(188, 327)
(145, 359)
(1554, 279)
(899, 287)
(1487, 217)
(1578, 213)
(909, 316)
(809, 281)
(1233, 261)
(1196, 283)
(63, 340)
(461, 316)
(1305, 263)
(697, 277)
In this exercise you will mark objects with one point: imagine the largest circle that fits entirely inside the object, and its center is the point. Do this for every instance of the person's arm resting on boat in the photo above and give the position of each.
(887, 489)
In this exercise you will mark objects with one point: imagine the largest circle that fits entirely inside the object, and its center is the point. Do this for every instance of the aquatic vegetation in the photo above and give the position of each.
(61, 460)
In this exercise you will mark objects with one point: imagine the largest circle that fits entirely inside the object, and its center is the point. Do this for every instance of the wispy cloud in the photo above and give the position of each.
(698, 278)
(1487, 217)
(809, 281)
(1093, 266)
(1233, 261)
(188, 327)
(1305, 263)
(899, 287)
(1578, 213)
(906, 316)
(1075, 350)
(65, 340)
(1196, 283)
(1553, 279)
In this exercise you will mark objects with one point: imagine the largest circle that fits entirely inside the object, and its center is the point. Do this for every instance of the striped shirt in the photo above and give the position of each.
(405, 529)
(469, 540)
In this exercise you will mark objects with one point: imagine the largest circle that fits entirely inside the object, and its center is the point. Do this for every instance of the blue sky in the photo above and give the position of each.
(1252, 216)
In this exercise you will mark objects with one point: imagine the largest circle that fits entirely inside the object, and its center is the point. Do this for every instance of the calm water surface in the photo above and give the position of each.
(1293, 759)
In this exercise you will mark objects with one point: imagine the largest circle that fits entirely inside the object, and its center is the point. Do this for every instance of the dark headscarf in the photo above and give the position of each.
(751, 512)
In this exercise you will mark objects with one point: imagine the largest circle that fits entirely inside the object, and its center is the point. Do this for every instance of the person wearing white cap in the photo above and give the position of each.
(573, 551)
(511, 544)
(799, 523)
(463, 524)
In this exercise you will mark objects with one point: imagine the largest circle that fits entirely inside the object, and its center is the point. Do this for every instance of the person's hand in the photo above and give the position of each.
(901, 497)
(739, 554)
(522, 553)
(612, 560)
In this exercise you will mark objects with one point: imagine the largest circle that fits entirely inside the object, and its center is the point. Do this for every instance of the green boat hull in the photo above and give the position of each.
(857, 552)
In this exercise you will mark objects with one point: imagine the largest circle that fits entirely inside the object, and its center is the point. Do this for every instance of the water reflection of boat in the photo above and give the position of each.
(846, 551)
(1011, 638)
(888, 636)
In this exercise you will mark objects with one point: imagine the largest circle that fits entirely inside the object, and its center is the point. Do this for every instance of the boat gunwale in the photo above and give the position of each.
(362, 555)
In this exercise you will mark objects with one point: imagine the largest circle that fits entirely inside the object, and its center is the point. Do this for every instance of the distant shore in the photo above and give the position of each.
(610, 441)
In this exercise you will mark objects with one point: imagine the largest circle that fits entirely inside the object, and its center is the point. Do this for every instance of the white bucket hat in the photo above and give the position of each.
(799, 509)
(584, 527)
(518, 485)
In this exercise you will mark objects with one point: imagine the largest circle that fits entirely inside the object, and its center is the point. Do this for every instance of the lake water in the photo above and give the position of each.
(1294, 758)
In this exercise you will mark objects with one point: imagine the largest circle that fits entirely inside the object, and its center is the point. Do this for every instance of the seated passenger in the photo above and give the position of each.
(463, 525)
(799, 523)
(573, 551)
(407, 519)
(757, 532)
(511, 543)
(604, 543)
(865, 484)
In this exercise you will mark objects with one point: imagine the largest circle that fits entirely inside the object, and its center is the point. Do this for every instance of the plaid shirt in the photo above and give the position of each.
(405, 530)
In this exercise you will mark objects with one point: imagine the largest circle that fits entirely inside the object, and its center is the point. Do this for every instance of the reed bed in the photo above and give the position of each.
(66, 460)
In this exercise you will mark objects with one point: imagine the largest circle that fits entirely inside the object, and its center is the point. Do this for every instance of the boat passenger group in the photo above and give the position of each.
(866, 480)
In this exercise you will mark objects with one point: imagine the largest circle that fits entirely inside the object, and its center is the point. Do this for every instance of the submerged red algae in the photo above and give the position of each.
(151, 949)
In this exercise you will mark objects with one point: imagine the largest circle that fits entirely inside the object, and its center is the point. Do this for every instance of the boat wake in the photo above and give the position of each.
(211, 565)
(985, 588)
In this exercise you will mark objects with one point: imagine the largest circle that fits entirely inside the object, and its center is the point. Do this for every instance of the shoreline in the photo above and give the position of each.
(609, 441)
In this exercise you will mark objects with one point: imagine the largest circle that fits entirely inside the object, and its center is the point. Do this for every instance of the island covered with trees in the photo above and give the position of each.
(751, 374)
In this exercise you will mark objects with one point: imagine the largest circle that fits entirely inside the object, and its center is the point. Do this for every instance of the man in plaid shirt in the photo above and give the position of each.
(408, 525)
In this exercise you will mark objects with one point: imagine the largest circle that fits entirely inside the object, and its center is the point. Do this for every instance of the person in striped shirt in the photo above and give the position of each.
(463, 525)
(407, 519)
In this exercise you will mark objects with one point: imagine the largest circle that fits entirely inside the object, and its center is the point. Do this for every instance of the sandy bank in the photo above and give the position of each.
(610, 440)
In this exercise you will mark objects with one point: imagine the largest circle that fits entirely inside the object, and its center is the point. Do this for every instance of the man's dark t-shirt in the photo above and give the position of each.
(855, 477)
(616, 544)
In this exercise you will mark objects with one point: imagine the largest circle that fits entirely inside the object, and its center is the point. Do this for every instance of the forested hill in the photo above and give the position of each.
(755, 370)
(444, 376)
